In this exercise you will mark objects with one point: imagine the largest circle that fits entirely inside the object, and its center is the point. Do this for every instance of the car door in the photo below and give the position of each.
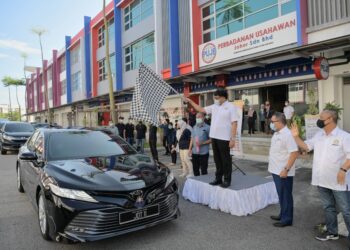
(24, 164)
(34, 167)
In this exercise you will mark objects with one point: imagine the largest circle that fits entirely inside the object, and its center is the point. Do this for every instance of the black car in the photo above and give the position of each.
(13, 135)
(86, 186)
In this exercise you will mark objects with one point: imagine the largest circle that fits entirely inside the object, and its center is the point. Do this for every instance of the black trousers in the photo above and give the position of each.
(165, 145)
(222, 159)
(200, 162)
(262, 126)
(153, 146)
(172, 154)
(251, 125)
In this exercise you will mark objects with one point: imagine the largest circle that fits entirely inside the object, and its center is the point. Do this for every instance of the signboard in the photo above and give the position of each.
(238, 149)
(321, 68)
(310, 126)
(268, 35)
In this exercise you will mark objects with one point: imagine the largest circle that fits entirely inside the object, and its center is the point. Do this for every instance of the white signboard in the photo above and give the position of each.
(310, 126)
(238, 150)
(268, 35)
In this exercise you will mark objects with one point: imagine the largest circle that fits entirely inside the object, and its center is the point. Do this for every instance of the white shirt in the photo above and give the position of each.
(330, 153)
(288, 112)
(282, 145)
(221, 120)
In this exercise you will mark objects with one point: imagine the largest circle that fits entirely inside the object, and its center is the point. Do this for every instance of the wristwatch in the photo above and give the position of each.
(343, 169)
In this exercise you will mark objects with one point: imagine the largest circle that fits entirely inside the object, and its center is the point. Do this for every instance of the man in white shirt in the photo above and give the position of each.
(331, 162)
(283, 153)
(288, 111)
(223, 131)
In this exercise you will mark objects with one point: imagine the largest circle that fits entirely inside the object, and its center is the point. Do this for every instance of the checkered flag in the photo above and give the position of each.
(149, 94)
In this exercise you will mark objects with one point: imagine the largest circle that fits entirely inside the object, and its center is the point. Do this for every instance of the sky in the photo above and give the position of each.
(18, 17)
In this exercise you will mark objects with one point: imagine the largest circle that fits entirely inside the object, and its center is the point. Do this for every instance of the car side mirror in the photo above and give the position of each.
(28, 156)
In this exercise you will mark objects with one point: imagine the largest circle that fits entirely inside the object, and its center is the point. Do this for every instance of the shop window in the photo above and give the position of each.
(49, 74)
(296, 93)
(76, 81)
(140, 51)
(50, 93)
(101, 70)
(249, 96)
(311, 86)
(223, 17)
(136, 12)
(75, 55)
(63, 87)
(62, 64)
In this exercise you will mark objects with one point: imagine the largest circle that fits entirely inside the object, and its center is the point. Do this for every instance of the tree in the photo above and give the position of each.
(8, 82)
(108, 65)
(25, 56)
(40, 32)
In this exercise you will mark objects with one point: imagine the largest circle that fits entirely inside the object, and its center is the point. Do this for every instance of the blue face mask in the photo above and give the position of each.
(272, 126)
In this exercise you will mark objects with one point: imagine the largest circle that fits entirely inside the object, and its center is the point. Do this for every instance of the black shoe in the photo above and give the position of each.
(274, 217)
(225, 184)
(215, 182)
(327, 236)
(280, 224)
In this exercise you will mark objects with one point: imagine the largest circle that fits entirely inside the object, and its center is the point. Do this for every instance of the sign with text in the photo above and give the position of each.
(268, 35)
(310, 126)
(238, 150)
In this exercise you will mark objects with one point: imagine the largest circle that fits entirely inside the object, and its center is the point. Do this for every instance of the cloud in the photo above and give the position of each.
(3, 56)
(19, 46)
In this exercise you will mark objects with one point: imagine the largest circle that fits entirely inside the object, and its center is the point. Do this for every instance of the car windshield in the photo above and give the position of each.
(18, 127)
(81, 144)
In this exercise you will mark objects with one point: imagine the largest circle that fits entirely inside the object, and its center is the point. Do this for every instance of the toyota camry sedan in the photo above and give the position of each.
(88, 186)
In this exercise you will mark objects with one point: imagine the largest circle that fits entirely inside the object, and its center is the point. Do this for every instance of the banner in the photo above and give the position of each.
(271, 34)
(238, 149)
(310, 126)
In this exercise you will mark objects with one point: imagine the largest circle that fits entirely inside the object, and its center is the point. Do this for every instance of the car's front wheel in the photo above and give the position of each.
(42, 217)
(19, 182)
(3, 151)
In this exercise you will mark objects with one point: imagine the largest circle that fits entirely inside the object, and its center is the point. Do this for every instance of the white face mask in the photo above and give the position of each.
(217, 102)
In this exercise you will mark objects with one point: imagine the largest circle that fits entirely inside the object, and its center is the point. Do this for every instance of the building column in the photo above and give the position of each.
(118, 45)
(87, 51)
(55, 78)
(68, 71)
(174, 37)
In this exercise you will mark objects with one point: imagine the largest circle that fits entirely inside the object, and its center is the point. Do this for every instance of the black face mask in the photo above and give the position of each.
(320, 123)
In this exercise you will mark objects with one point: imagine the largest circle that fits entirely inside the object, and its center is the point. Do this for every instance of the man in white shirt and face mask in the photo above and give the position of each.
(283, 153)
(223, 131)
(329, 172)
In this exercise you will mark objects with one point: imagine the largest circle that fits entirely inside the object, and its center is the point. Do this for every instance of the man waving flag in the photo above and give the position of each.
(149, 94)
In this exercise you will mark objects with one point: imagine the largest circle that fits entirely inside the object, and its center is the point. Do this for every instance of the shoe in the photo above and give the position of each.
(215, 182)
(275, 217)
(280, 224)
(172, 164)
(327, 236)
(182, 175)
(225, 184)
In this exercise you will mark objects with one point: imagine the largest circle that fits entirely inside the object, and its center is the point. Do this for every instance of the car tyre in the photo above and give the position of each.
(3, 151)
(42, 217)
(19, 181)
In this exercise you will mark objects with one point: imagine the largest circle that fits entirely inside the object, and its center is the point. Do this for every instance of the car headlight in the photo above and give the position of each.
(71, 194)
(9, 138)
(169, 179)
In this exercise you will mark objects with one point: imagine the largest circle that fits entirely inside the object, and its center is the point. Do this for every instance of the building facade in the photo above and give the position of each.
(258, 50)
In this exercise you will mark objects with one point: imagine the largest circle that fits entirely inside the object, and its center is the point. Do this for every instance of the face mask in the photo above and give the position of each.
(272, 126)
(199, 120)
(217, 102)
(286, 103)
(320, 123)
(170, 127)
(207, 117)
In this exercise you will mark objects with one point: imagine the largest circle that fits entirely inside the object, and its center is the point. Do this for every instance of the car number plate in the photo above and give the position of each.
(135, 215)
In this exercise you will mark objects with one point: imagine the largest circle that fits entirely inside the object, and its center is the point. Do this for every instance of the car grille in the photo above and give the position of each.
(106, 221)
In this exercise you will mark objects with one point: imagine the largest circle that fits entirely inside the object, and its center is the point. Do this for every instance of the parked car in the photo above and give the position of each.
(13, 135)
(85, 186)
(2, 122)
